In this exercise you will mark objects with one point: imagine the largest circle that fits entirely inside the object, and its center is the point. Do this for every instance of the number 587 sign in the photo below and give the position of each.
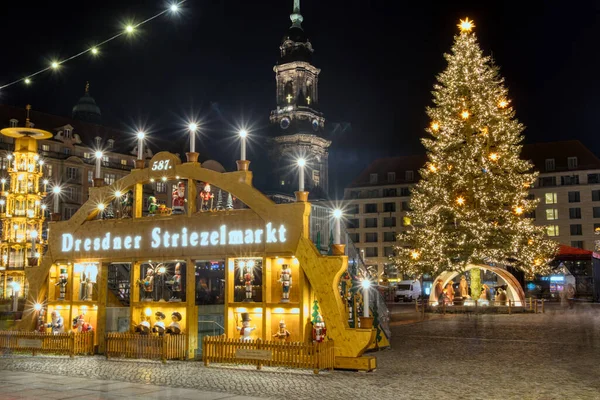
(163, 162)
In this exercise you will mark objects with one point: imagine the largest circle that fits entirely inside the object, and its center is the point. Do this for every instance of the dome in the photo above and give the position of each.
(86, 108)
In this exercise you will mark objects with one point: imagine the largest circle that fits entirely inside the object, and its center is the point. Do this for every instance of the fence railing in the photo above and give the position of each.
(47, 343)
(132, 345)
(530, 304)
(315, 356)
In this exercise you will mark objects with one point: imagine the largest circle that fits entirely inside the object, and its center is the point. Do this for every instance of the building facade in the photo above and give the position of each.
(297, 124)
(568, 188)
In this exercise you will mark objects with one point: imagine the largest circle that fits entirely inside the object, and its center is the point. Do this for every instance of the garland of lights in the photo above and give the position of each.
(129, 29)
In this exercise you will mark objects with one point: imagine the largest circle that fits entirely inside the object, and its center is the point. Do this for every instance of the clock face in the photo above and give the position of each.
(315, 125)
(285, 123)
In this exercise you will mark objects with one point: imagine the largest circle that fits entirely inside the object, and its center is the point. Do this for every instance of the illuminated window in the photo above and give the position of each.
(551, 198)
(551, 214)
(45, 147)
(123, 162)
(109, 179)
(552, 230)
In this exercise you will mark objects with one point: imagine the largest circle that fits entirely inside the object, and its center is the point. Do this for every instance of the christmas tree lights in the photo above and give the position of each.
(471, 204)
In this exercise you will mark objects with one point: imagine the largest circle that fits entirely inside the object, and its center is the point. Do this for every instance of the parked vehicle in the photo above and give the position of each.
(407, 291)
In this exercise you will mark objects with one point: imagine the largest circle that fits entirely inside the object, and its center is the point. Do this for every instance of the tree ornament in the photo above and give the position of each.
(466, 25)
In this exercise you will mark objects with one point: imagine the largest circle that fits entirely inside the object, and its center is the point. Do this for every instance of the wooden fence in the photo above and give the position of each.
(47, 343)
(132, 345)
(315, 356)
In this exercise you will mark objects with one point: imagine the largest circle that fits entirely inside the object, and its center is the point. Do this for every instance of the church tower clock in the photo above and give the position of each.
(297, 121)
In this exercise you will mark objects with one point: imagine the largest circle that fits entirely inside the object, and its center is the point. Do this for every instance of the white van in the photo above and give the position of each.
(407, 291)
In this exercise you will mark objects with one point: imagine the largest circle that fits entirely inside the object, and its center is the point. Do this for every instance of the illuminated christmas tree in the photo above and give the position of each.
(471, 204)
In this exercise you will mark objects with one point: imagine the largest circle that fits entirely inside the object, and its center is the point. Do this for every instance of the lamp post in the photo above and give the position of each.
(243, 135)
(56, 191)
(192, 127)
(301, 164)
(98, 164)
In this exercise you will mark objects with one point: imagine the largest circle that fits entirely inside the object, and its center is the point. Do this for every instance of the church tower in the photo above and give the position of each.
(297, 122)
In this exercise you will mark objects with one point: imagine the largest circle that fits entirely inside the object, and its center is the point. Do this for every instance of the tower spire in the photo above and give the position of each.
(27, 107)
(296, 17)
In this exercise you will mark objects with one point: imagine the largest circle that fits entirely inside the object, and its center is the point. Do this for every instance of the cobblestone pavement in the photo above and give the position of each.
(544, 356)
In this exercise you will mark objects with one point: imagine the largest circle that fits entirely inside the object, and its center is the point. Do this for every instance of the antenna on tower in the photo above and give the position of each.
(27, 108)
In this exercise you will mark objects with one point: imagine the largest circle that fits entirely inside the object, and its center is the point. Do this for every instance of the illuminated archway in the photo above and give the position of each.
(514, 291)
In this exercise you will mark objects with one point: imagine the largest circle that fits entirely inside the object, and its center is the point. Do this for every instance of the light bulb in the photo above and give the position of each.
(140, 135)
(301, 162)
(243, 133)
(337, 213)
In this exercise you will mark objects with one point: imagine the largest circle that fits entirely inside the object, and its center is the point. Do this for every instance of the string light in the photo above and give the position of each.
(518, 210)
(129, 29)
(465, 114)
(502, 103)
(432, 168)
(494, 156)
(435, 126)
(415, 255)
(460, 201)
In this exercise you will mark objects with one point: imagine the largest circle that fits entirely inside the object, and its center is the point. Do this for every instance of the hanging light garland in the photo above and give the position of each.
(173, 8)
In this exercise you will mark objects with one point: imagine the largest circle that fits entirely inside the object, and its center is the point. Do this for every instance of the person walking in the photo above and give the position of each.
(571, 295)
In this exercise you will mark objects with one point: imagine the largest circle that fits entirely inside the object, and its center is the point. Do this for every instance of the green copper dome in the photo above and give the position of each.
(86, 108)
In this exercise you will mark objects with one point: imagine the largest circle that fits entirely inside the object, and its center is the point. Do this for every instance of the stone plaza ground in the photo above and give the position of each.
(555, 355)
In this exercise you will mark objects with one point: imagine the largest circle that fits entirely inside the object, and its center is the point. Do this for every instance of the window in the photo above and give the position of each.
(69, 212)
(593, 178)
(105, 161)
(389, 222)
(352, 223)
(90, 177)
(547, 181)
(282, 182)
(371, 252)
(71, 173)
(388, 251)
(370, 208)
(550, 198)
(48, 170)
(123, 162)
(371, 237)
(595, 195)
(567, 180)
(576, 230)
(551, 214)
(389, 207)
(316, 177)
(549, 164)
(373, 178)
(373, 194)
(67, 133)
(354, 237)
(577, 244)
(552, 230)
(161, 187)
(389, 236)
(109, 179)
(67, 150)
(389, 192)
(353, 193)
(404, 191)
(88, 156)
(406, 206)
(98, 141)
(353, 209)
(572, 162)
(596, 211)
(410, 176)
(575, 213)
(372, 222)
(13, 123)
(574, 197)
(391, 177)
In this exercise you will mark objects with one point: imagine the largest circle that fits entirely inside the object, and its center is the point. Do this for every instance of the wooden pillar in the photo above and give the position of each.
(138, 203)
(191, 310)
(191, 204)
(102, 284)
(134, 291)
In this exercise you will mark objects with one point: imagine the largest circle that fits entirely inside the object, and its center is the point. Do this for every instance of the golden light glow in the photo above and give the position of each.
(278, 310)
(241, 309)
(537, 261)
(494, 156)
(94, 50)
(432, 168)
(460, 201)
(518, 210)
(415, 255)
(530, 241)
(148, 312)
(435, 126)
(502, 103)
(466, 25)
(465, 114)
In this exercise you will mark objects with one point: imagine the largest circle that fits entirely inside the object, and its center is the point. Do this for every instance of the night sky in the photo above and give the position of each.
(378, 59)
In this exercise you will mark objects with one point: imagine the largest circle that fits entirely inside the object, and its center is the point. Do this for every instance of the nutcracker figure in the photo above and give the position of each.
(159, 325)
(176, 284)
(282, 333)
(179, 199)
(174, 328)
(127, 204)
(143, 327)
(285, 278)
(57, 324)
(319, 331)
(247, 278)
(63, 278)
(205, 196)
(80, 325)
(152, 205)
(147, 284)
(245, 329)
